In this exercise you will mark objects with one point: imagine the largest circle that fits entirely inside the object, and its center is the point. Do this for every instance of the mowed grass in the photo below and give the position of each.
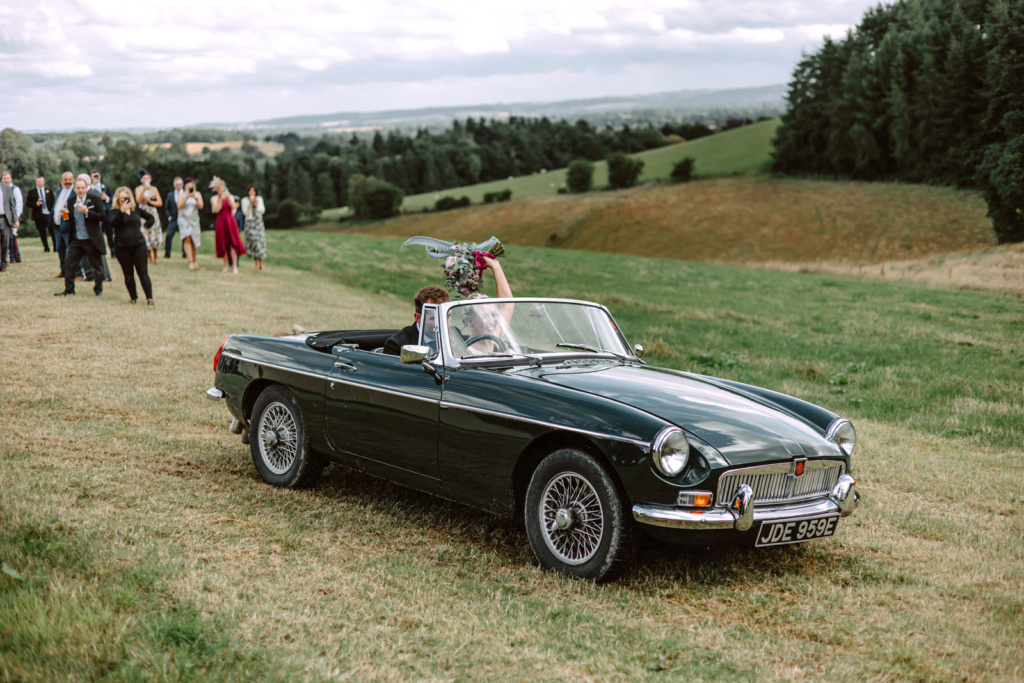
(740, 150)
(747, 219)
(145, 545)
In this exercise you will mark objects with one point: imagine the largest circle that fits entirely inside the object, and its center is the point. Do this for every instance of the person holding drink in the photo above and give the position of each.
(147, 198)
(190, 203)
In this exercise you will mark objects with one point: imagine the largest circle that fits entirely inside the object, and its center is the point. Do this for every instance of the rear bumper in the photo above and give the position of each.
(741, 515)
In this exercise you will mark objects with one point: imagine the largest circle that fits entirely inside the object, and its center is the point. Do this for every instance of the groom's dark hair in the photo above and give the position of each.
(431, 294)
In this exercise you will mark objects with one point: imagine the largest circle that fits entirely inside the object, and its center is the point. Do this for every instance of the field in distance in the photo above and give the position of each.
(196, 148)
(740, 150)
(138, 543)
(744, 219)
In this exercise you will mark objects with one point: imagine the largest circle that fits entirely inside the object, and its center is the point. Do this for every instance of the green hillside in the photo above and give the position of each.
(741, 150)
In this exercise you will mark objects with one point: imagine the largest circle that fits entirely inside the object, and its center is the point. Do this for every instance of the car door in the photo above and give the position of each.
(385, 413)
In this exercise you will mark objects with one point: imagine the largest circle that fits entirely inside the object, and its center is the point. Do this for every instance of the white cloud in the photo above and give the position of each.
(182, 53)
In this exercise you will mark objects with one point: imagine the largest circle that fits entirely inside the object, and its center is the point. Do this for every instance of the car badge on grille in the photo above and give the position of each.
(798, 466)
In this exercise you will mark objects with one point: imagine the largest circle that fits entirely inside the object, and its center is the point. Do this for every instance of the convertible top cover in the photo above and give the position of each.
(366, 340)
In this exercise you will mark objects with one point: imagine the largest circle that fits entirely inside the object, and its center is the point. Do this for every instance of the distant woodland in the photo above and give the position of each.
(313, 173)
(925, 91)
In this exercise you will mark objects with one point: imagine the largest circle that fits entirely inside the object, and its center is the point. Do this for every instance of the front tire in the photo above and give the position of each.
(278, 444)
(578, 518)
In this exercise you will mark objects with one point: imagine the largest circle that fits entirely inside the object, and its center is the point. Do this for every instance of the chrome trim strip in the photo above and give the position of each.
(331, 378)
(643, 444)
(273, 365)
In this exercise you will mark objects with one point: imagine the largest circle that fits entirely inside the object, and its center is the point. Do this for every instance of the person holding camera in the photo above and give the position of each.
(190, 203)
(255, 232)
(148, 200)
(130, 228)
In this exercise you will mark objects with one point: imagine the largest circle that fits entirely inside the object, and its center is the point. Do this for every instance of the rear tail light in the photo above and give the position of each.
(216, 358)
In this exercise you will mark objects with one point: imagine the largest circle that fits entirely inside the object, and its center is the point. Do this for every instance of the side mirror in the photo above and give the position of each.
(639, 350)
(411, 353)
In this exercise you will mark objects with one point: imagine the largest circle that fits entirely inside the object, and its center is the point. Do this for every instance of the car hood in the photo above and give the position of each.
(742, 429)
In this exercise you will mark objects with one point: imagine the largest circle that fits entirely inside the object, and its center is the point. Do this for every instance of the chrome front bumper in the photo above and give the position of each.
(740, 514)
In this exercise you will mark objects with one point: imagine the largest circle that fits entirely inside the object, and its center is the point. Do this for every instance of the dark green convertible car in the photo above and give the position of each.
(539, 408)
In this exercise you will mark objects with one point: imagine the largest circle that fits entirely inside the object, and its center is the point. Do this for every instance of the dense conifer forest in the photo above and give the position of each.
(922, 90)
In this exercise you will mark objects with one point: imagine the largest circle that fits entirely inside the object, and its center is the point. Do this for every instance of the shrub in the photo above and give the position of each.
(383, 200)
(503, 196)
(448, 203)
(623, 171)
(682, 172)
(581, 176)
(289, 212)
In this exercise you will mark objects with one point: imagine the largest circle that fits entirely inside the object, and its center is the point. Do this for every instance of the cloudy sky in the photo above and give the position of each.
(120, 63)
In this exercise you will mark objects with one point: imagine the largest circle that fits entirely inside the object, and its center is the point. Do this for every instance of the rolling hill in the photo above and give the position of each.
(741, 150)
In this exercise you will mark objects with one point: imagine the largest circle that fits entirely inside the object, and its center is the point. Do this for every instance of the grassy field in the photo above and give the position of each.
(748, 219)
(137, 541)
(741, 150)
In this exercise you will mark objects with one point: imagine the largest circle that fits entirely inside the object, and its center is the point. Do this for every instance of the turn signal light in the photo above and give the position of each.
(694, 499)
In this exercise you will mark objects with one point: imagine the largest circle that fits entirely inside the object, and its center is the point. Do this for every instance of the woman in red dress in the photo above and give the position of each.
(226, 238)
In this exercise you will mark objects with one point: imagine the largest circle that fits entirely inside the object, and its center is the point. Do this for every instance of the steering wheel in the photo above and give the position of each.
(481, 337)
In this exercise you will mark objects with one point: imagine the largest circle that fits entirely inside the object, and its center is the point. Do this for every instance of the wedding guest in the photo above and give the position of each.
(240, 219)
(190, 203)
(171, 209)
(431, 294)
(130, 247)
(255, 231)
(85, 208)
(14, 254)
(226, 238)
(8, 222)
(61, 220)
(41, 199)
(148, 199)
(103, 190)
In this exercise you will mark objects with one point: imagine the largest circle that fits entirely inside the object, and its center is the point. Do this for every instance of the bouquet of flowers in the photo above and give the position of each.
(463, 262)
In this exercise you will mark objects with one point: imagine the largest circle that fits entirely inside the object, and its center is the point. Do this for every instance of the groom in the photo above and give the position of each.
(411, 334)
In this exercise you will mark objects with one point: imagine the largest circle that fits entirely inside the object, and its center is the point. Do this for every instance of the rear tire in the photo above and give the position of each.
(578, 519)
(278, 444)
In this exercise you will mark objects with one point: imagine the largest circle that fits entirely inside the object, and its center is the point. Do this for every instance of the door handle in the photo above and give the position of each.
(345, 366)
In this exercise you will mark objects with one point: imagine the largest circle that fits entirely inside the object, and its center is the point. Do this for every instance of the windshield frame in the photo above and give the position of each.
(452, 361)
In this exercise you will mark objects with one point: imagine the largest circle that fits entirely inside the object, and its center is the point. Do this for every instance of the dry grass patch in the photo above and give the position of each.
(162, 555)
(749, 219)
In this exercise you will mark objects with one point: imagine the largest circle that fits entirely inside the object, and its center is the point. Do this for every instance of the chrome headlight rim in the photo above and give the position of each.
(670, 464)
(842, 433)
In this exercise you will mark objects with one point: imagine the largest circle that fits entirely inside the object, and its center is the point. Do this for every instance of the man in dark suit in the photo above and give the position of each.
(86, 212)
(411, 334)
(41, 199)
(171, 209)
(101, 188)
(9, 220)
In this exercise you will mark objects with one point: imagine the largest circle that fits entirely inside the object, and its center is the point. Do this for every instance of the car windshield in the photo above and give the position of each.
(483, 328)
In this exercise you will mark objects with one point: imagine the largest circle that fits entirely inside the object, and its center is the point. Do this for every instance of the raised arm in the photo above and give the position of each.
(500, 281)
(156, 201)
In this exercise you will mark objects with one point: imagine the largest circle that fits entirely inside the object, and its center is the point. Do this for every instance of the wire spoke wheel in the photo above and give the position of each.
(572, 518)
(278, 438)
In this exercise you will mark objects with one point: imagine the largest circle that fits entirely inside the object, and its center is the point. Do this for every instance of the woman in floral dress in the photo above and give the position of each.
(148, 200)
(255, 232)
(189, 204)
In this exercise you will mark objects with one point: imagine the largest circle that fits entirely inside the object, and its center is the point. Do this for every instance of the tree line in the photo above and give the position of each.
(313, 173)
(922, 91)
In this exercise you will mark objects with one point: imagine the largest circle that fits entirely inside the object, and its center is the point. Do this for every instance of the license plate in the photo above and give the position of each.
(796, 530)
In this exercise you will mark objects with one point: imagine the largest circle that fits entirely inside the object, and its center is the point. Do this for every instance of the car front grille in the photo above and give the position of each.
(776, 483)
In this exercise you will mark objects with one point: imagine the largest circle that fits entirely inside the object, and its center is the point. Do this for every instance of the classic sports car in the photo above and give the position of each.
(539, 408)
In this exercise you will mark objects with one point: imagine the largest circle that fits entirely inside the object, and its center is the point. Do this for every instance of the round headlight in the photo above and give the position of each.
(671, 451)
(844, 435)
